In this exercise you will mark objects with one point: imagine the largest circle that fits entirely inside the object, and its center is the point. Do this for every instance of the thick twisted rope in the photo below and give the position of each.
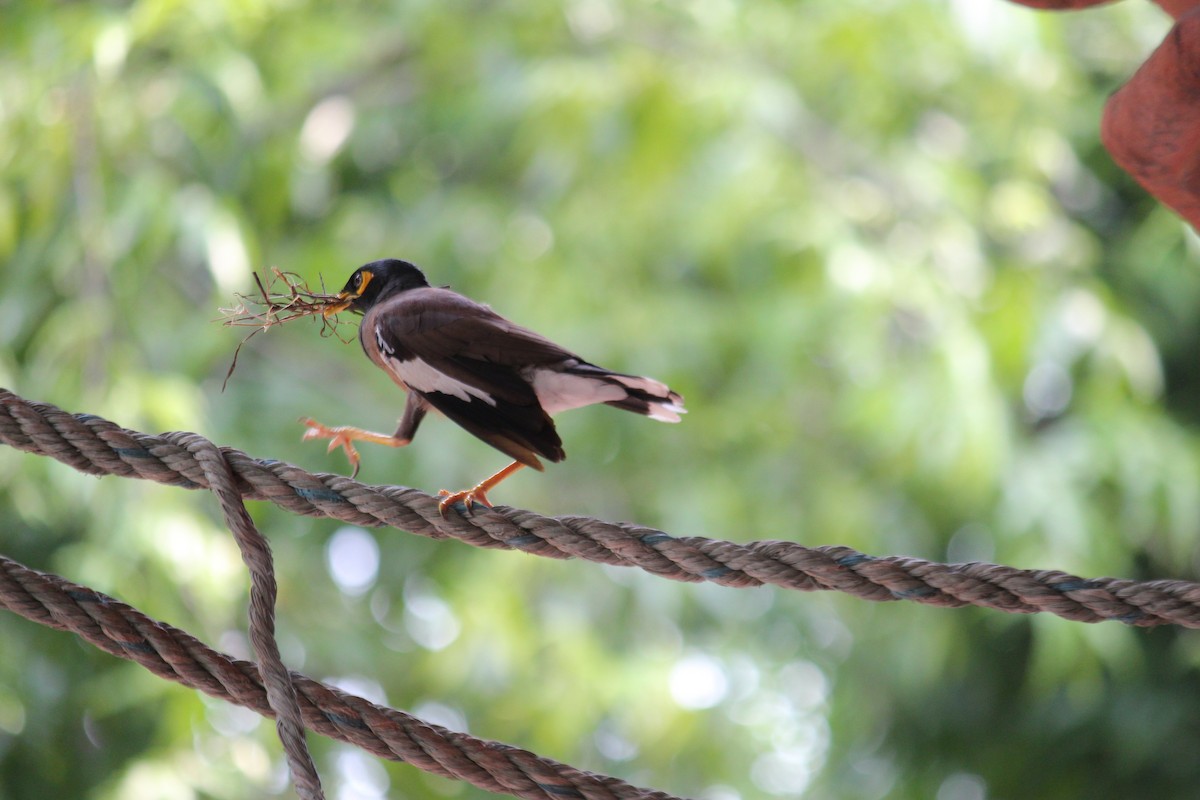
(173, 654)
(256, 553)
(99, 447)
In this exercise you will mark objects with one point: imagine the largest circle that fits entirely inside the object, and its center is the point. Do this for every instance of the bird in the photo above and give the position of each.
(499, 381)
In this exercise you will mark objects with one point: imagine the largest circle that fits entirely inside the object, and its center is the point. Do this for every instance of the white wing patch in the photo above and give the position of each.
(424, 378)
(416, 374)
(384, 347)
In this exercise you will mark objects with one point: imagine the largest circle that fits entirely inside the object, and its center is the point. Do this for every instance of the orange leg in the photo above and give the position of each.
(344, 437)
(477, 495)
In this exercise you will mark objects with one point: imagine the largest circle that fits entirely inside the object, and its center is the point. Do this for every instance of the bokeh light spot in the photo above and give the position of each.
(352, 556)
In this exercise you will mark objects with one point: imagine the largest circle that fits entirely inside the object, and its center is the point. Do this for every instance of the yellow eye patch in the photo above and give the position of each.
(364, 278)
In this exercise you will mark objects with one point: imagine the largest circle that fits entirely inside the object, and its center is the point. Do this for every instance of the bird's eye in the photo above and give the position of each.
(361, 279)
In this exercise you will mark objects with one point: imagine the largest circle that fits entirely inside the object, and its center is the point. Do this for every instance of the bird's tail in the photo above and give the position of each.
(575, 384)
(647, 396)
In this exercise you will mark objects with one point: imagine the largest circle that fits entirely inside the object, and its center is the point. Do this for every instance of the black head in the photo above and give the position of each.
(375, 282)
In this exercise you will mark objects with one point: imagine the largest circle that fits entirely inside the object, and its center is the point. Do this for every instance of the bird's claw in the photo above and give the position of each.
(337, 436)
(468, 498)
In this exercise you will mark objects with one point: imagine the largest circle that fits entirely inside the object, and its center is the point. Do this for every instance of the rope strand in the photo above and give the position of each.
(170, 653)
(96, 446)
(99, 447)
(256, 553)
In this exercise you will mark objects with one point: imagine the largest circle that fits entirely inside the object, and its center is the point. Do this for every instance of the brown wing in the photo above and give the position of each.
(467, 362)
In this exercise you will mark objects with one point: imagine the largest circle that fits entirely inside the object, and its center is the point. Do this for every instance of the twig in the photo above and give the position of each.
(275, 307)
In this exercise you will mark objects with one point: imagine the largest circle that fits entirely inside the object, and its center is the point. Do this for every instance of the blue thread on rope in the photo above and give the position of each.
(853, 560)
(919, 591)
(133, 452)
(561, 791)
(1073, 586)
(343, 721)
(141, 452)
(520, 542)
(716, 572)
(655, 538)
(326, 495)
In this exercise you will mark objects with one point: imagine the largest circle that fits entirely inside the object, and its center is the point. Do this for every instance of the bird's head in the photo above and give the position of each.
(374, 282)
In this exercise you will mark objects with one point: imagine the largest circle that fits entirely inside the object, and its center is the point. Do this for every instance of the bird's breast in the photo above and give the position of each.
(379, 351)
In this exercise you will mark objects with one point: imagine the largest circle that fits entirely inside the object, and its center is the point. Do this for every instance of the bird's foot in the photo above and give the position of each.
(341, 436)
(468, 498)
(476, 495)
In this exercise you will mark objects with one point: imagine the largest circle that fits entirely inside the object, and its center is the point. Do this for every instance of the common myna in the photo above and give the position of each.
(496, 379)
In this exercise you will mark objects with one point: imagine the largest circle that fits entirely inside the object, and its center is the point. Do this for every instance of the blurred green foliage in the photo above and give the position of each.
(913, 307)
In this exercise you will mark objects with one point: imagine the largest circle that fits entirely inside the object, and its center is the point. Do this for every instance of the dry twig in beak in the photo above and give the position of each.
(275, 305)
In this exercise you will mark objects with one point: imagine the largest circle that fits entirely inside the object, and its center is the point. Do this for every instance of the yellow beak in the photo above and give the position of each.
(344, 299)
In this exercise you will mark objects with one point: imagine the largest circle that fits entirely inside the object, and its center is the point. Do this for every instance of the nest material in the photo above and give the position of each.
(284, 297)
